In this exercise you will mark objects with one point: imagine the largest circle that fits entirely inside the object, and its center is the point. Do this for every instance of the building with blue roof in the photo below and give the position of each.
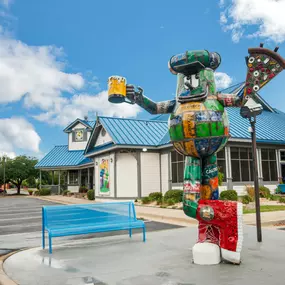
(129, 158)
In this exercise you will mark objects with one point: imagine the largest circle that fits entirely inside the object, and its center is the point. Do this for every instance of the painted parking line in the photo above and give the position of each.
(20, 218)
(19, 209)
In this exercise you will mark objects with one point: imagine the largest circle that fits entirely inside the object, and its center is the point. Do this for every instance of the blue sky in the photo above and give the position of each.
(56, 57)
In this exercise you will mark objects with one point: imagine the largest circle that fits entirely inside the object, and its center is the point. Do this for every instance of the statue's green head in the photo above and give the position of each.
(195, 71)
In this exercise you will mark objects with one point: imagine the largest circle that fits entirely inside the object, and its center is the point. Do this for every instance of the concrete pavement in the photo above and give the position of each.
(165, 259)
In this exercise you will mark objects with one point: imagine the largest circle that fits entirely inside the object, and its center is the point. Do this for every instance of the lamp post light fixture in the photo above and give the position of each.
(249, 111)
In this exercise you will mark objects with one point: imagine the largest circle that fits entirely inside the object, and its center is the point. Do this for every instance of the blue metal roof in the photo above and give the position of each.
(88, 124)
(60, 156)
(134, 132)
(270, 127)
(91, 124)
(233, 89)
(101, 147)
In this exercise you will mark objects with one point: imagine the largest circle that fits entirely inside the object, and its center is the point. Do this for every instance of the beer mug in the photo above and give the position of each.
(117, 89)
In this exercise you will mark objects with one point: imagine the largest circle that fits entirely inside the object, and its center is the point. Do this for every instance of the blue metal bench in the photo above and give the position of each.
(81, 219)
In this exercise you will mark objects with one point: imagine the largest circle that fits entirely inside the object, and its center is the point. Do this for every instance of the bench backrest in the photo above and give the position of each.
(87, 214)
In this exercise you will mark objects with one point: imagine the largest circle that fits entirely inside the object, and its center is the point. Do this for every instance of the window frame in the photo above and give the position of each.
(268, 160)
(279, 151)
(177, 162)
(71, 174)
(249, 161)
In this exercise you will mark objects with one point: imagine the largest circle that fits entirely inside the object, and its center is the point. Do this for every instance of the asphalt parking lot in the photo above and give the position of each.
(20, 224)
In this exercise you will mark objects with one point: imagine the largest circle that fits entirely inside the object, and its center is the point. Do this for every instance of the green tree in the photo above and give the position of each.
(3, 161)
(19, 169)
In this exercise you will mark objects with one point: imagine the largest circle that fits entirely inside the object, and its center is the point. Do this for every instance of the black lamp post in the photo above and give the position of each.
(249, 111)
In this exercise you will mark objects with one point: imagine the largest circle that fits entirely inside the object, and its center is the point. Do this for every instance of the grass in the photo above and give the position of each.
(265, 208)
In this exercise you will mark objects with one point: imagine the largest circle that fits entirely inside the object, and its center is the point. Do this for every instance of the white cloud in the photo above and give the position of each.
(85, 104)
(265, 16)
(35, 73)
(222, 3)
(17, 133)
(223, 80)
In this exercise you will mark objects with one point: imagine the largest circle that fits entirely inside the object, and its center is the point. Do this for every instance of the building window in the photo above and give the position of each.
(282, 155)
(221, 162)
(241, 161)
(178, 164)
(269, 166)
(73, 177)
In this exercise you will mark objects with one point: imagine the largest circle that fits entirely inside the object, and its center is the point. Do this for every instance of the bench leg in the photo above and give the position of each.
(50, 244)
(43, 239)
(130, 233)
(144, 234)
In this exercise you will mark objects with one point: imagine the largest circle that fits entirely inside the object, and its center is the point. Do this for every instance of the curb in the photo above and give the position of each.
(176, 221)
(4, 278)
(50, 200)
(161, 218)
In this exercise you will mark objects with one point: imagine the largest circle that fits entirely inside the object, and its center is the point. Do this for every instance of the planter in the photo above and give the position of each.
(282, 188)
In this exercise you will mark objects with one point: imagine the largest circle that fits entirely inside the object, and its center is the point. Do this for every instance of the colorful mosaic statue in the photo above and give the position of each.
(199, 128)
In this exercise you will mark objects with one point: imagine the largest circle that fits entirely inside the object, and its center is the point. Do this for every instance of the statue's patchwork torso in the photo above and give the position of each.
(199, 129)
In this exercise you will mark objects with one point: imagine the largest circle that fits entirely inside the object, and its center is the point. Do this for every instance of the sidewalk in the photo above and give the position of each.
(171, 216)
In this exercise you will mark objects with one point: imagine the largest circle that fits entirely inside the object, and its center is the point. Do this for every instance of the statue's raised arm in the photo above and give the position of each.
(135, 95)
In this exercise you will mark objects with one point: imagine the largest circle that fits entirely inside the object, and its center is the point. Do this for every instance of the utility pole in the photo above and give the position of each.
(256, 186)
(249, 111)
(4, 172)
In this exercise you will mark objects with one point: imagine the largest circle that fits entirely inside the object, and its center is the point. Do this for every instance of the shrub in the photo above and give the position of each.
(31, 192)
(91, 194)
(264, 192)
(229, 195)
(146, 200)
(170, 202)
(65, 192)
(246, 199)
(44, 192)
(155, 196)
(277, 190)
(250, 192)
(176, 195)
(274, 197)
(220, 178)
(37, 193)
(281, 199)
(136, 200)
(83, 189)
(159, 201)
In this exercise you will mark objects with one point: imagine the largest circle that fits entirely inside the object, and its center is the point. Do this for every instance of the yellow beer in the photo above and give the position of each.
(117, 89)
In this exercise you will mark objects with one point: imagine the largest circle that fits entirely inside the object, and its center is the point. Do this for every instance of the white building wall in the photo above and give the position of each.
(164, 172)
(77, 145)
(150, 173)
(127, 180)
(103, 139)
(97, 162)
